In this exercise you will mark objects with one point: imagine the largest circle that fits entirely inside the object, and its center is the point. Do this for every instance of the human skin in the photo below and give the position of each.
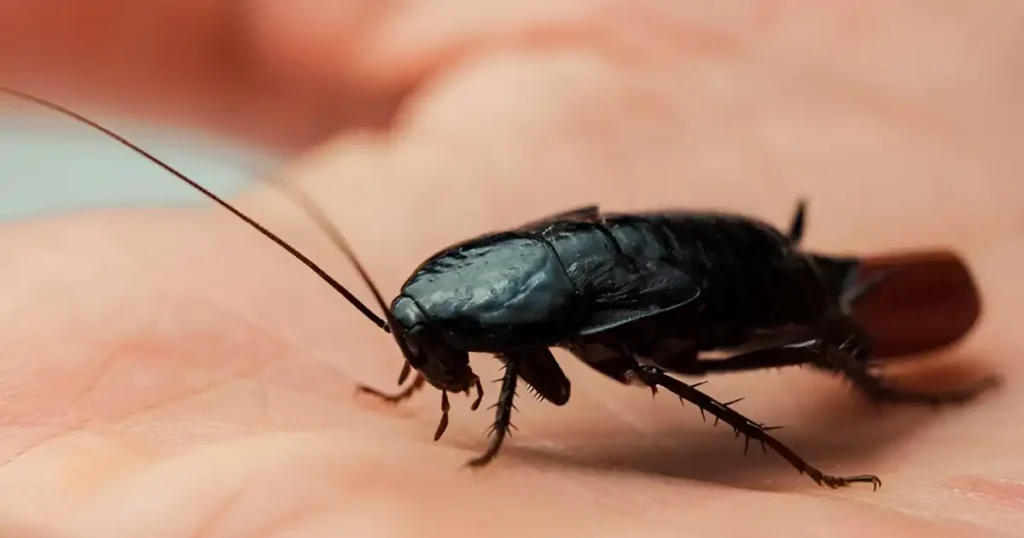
(170, 373)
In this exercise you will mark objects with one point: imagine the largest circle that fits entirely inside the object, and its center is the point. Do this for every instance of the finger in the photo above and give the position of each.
(270, 71)
(194, 63)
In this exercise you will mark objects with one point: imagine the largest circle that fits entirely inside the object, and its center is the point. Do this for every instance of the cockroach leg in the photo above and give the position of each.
(503, 415)
(774, 357)
(479, 395)
(404, 374)
(875, 389)
(418, 383)
(443, 424)
(752, 430)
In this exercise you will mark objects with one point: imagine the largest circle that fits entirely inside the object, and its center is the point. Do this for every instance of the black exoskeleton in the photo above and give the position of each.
(635, 297)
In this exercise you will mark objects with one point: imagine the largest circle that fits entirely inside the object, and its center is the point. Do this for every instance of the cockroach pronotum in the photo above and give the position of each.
(638, 297)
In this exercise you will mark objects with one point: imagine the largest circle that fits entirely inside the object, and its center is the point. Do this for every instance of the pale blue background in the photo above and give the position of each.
(51, 163)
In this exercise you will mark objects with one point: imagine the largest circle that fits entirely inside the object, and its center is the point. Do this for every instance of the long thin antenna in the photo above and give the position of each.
(314, 211)
(270, 235)
(320, 219)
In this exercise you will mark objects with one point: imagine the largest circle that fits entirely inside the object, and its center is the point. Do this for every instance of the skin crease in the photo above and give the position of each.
(170, 373)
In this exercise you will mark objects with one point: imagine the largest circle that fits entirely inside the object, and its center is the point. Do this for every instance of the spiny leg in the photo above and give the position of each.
(503, 415)
(875, 388)
(775, 357)
(745, 426)
(833, 359)
(418, 383)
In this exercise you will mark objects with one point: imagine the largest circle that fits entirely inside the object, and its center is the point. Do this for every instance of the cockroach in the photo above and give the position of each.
(638, 298)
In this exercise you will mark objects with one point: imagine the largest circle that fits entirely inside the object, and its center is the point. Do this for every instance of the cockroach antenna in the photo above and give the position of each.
(317, 215)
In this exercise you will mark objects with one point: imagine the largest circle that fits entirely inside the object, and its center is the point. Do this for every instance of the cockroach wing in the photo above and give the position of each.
(928, 302)
(611, 316)
(625, 270)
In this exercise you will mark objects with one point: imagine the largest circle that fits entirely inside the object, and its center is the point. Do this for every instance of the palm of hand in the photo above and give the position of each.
(184, 378)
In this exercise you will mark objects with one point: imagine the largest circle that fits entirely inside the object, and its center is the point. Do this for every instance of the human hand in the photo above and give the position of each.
(172, 373)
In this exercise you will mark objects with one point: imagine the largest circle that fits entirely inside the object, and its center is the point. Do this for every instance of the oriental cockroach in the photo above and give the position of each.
(638, 297)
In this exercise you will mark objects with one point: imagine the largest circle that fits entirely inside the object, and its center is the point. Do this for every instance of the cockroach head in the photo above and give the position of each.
(423, 346)
(445, 366)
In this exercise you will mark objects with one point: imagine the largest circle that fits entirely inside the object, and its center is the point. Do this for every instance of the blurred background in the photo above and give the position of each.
(50, 163)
